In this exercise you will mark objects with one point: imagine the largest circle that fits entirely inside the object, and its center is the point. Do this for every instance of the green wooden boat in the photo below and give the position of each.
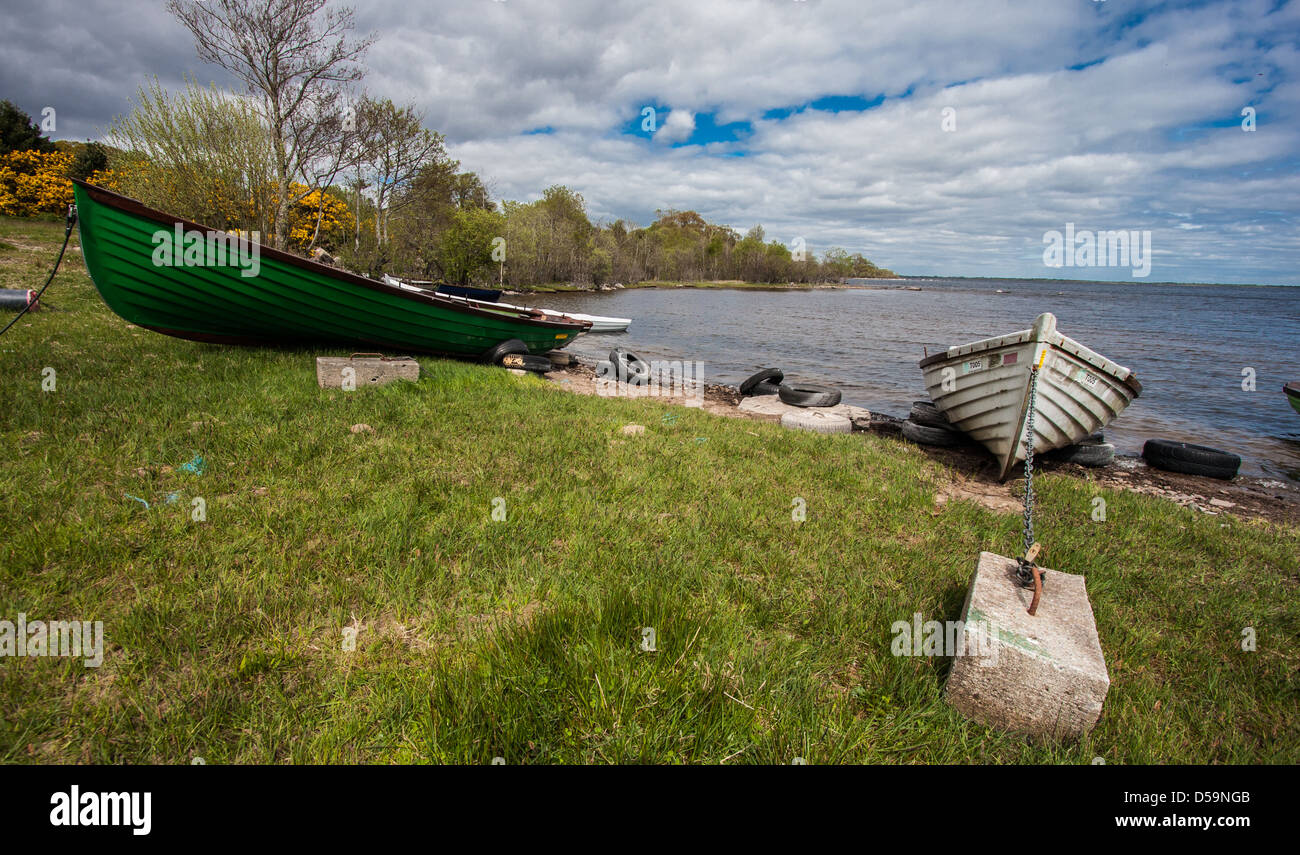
(1293, 395)
(182, 279)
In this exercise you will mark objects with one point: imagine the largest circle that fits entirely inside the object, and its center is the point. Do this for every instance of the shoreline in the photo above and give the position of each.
(972, 471)
(705, 284)
(866, 283)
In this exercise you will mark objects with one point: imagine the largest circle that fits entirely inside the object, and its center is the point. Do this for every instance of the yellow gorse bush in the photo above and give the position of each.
(336, 219)
(34, 182)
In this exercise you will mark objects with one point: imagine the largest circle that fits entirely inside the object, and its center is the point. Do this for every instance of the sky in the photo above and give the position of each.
(936, 137)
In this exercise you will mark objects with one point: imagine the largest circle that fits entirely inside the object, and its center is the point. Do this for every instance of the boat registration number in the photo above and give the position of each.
(1087, 379)
(973, 365)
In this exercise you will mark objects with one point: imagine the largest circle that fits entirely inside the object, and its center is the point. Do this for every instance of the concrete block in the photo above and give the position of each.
(353, 372)
(1046, 675)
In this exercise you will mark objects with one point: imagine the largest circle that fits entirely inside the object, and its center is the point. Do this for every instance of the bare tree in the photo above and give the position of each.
(398, 147)
(295, 55)
(347, 141)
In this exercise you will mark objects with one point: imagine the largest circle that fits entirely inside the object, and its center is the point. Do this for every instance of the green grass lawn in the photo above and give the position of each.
(521, 638)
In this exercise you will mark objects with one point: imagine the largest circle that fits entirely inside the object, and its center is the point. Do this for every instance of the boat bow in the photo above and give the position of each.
(983, 388)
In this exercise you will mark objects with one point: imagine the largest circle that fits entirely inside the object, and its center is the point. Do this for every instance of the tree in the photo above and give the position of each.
(468, 191)
(198, 153)
(293, 55)
(466, 247)
(398, 148)
(19, 133)
(421, 210)
(34, 182)
(564, 223)
(195, 153)
(89, 159)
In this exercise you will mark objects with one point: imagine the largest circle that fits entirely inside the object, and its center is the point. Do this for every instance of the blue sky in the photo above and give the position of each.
(934, 137)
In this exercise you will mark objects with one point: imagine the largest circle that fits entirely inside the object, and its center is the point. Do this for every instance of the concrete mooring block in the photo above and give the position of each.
(1042, 675)
(363, 369)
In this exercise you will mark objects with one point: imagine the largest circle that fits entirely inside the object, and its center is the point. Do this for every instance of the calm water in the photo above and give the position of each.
(1187, 344)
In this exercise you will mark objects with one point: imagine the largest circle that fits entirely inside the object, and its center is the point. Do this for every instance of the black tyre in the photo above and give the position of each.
(882, 423)
(1093, 439)
(930, 435)
(527, 361)
(1190, 459)
(766, 377)
(1084, 454)
(808, 395)
(628, 366)
(767, 387)
(925, 413)
(493, 355)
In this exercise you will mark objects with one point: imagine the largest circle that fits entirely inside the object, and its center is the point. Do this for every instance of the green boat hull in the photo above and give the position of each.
(1293, 395)
(128, 249)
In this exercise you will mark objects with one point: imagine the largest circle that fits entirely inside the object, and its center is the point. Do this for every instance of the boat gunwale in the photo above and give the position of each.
(578, 317)
(1055, 340)
(135, 207)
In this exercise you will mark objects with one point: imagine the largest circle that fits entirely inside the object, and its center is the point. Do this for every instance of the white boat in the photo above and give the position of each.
(599, 323)
(983, 388)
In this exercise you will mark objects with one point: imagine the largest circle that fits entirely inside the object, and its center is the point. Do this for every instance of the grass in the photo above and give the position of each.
(475, 638)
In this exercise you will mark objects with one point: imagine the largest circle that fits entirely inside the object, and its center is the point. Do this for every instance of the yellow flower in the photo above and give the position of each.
(34, 182)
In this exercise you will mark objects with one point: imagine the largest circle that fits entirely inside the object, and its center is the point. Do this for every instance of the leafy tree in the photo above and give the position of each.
(398, 149)
(426, 208)
(200, 154)
(468, 191)
(19, 133)
(465, 249)
(89, 158)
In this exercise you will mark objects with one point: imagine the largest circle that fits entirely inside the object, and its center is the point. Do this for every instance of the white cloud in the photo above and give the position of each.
(1147, 138)
(677, 127)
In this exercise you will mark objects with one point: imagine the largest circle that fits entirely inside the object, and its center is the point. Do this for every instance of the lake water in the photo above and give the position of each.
(1187, 344)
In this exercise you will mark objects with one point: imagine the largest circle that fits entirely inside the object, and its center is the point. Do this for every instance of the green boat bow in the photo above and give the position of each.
(183, 279)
